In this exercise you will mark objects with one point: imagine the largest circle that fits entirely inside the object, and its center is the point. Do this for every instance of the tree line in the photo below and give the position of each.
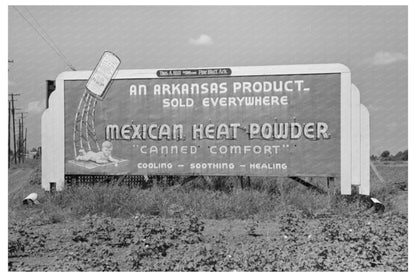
(387, 156)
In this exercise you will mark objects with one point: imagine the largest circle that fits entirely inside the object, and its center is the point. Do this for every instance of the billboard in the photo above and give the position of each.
(216, 121)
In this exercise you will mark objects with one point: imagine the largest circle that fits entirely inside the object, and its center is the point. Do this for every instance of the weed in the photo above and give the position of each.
(252, 226)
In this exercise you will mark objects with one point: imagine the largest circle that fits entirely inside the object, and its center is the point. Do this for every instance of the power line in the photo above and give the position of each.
(45, 37)
(48, 37)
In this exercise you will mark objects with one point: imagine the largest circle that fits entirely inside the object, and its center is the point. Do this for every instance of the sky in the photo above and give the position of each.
(371, 41)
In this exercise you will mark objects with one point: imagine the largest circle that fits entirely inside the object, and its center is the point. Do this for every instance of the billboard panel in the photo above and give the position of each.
(206, 121)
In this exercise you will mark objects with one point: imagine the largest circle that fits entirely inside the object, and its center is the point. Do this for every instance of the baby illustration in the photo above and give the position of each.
(102, 157)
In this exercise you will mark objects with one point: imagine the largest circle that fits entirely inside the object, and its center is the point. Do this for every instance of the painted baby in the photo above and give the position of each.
(102, 157)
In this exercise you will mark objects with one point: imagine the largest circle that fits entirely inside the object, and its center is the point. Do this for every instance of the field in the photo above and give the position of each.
(271, 225)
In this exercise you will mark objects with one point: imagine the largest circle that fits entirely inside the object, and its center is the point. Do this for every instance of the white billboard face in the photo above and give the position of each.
(324, 97)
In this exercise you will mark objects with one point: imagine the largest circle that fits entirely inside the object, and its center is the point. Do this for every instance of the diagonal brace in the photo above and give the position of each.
(306, 184)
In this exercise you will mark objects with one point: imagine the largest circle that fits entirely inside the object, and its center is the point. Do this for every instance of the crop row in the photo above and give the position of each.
(148, 243)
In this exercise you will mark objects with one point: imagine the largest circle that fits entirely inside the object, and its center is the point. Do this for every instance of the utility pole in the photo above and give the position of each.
(24, 157)
(8, 153)
(14, 127)
(21, 138)
(17, 136)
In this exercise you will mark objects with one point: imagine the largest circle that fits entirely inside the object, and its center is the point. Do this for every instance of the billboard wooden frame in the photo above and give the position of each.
(53, 118)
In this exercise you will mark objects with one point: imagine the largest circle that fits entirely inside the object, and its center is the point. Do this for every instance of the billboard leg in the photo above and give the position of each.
(241, 182)
(330, 183)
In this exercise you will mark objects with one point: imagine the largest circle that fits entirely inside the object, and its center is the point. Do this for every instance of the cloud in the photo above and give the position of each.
(385, 58)
(202, 40)
(34, 107)
(11, 83)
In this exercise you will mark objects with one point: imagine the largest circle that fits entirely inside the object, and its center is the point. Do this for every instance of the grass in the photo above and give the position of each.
(264, 199)
(121, 201)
